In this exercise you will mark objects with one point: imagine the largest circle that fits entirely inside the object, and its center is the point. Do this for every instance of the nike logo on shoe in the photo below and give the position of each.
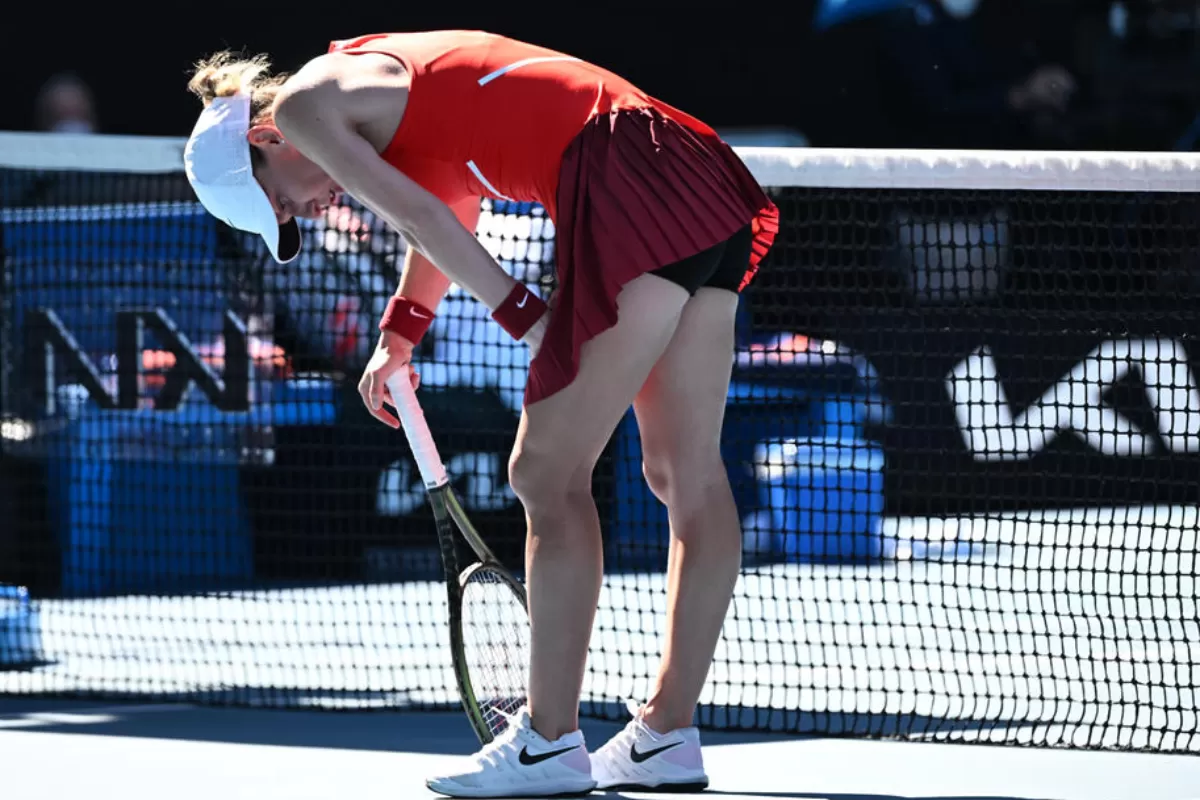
(638, 758)
(529, 759)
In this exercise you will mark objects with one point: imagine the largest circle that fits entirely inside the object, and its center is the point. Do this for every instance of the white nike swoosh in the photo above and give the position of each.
(413, 311)
(523, 301)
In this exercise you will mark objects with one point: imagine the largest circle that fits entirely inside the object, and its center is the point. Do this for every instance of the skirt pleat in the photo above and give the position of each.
(637, 190)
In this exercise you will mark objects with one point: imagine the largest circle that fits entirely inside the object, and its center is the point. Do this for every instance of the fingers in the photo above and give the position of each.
(372, 388)
(376, 396)
(383, 414)
(378, 387)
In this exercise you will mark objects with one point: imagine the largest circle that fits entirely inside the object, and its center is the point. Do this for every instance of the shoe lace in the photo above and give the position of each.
(625, 737)
(491, 754)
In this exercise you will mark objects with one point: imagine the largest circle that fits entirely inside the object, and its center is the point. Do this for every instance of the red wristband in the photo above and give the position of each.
(519, 311)
(406, 318)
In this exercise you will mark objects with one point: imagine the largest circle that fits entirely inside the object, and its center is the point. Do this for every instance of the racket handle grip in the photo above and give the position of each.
(412, 419)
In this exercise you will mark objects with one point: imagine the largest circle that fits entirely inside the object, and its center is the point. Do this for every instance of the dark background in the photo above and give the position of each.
(878, 81)
(730, 65)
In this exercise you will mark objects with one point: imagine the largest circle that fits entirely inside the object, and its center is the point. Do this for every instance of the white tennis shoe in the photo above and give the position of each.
(640, 759)
(520, 762)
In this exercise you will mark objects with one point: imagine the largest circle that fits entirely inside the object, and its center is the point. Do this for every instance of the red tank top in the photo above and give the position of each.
(489, 116)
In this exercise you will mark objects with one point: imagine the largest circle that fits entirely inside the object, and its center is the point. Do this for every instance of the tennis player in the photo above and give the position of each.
(659, 226)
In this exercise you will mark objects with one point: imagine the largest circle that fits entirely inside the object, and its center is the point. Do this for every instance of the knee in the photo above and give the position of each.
(683, 480)
(658, 473)
(544, 480)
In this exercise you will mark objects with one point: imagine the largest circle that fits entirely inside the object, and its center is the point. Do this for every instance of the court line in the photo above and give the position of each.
(156, 708)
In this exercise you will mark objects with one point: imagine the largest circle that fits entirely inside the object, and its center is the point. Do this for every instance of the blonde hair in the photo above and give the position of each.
(225, 74)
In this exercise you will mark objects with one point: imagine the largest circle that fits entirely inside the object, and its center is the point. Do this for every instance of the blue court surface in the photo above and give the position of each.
(64, 749)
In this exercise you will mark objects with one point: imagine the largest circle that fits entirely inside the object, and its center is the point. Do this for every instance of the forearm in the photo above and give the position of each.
(421, 281)
(457, 254)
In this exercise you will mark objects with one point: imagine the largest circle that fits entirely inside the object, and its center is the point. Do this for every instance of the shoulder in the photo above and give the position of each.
(353, 87)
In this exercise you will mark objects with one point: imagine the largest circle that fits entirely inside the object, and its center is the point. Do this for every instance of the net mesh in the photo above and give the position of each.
(962, 432)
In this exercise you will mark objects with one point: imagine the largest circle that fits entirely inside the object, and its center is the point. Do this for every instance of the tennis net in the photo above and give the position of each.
(963, 432)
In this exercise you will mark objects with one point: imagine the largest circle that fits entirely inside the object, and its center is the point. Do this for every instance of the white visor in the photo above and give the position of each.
(217, 161)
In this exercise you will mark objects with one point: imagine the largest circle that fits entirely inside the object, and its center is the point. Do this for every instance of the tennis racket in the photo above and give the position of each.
(489, 620)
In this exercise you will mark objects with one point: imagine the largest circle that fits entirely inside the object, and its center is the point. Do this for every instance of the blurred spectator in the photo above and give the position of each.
(832, 13)
(932, 75)
(65, 104)
(1142, 59)
(949, 86)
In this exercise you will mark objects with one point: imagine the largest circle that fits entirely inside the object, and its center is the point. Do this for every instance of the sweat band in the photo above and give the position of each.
(406, 318)
(519, 311)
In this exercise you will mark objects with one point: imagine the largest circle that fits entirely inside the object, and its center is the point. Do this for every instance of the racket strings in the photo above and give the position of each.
(495, 628)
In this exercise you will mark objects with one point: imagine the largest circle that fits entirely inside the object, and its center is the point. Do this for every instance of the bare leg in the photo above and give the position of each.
(558, 442)
(680, 412)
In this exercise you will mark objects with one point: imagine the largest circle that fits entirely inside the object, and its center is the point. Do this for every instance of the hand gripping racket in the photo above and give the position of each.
(489, 621)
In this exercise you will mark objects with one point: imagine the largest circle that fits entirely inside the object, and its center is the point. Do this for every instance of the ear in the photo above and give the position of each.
(264, 135)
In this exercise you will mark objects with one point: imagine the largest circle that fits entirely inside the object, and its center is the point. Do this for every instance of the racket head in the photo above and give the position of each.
(492, 646)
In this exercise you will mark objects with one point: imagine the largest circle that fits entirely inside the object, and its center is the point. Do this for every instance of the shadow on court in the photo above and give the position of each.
(391, 731)
(441, 733)
(436, 733)
(445, 732)
(843, 796)
(828, 796)
(420, 735)
(839, 723)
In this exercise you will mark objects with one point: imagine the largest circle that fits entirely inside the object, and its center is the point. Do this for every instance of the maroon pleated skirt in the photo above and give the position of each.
(637, 190)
